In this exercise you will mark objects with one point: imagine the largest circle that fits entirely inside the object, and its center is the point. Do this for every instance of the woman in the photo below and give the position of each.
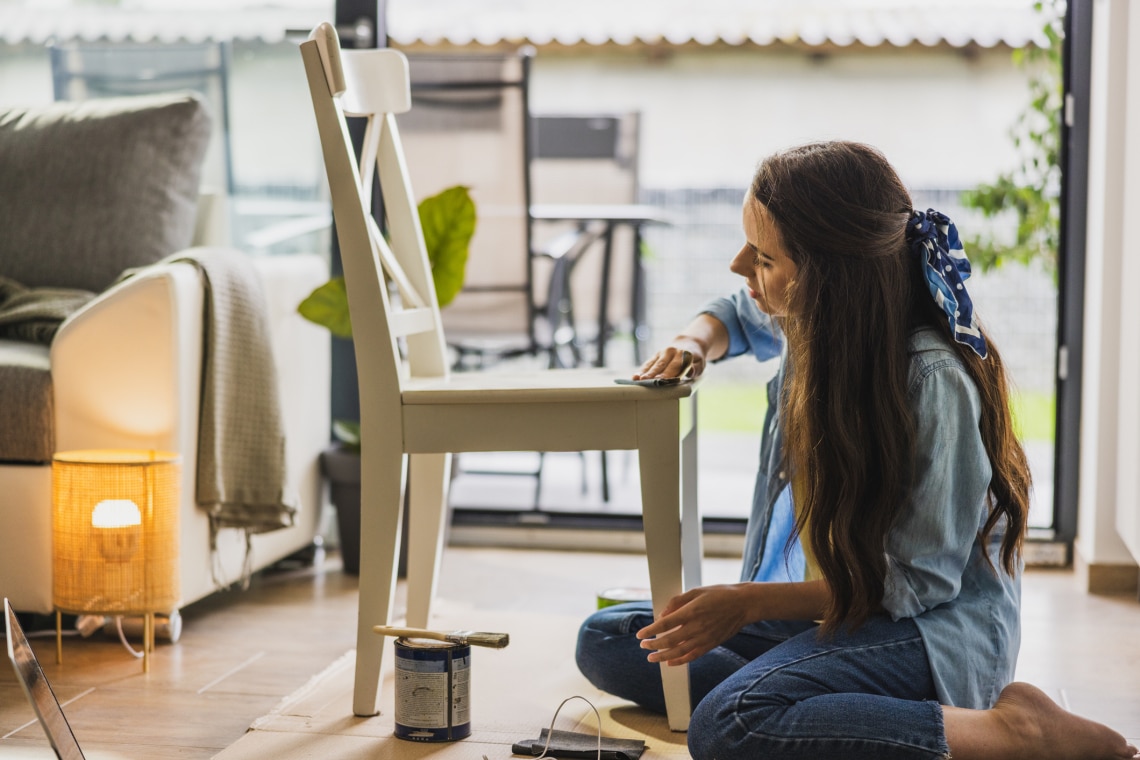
(890, 432)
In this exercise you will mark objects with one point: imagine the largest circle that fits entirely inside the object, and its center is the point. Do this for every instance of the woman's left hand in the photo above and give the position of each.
(695, 622)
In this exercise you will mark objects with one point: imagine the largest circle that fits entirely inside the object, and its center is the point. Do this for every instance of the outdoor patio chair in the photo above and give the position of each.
(470, 125)
(412, 405)
(592, 158)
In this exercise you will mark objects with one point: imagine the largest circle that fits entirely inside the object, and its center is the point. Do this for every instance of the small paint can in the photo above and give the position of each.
(433, 690)
(612, 596)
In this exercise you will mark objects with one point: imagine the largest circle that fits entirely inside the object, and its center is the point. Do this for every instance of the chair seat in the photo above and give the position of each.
(537, 386)
(577, 410)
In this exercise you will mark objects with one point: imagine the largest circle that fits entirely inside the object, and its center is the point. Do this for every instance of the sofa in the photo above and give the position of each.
(89, 191)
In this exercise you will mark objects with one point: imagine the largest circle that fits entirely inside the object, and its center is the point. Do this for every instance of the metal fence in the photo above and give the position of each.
(687, 264)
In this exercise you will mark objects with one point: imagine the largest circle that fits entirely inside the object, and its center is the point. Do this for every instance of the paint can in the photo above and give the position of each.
(433, 690)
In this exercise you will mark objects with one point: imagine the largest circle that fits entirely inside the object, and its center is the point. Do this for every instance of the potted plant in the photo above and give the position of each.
(448, 221)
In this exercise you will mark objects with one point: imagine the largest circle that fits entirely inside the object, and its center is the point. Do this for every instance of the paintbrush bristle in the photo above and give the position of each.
(480, 639)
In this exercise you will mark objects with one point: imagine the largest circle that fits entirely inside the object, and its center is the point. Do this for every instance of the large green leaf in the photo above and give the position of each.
(348, 433)
(1029, 193)
(448, 221)
(328, 307)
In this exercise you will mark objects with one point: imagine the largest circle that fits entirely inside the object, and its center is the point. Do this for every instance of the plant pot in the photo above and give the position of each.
(341, 466)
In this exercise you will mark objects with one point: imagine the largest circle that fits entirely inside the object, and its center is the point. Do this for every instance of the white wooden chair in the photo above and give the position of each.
(410, 404)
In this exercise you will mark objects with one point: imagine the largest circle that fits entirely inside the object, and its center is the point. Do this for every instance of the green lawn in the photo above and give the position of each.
(740, 408)
(1035, 415)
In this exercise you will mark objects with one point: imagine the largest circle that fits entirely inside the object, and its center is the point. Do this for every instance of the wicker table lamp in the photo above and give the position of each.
(115, 536)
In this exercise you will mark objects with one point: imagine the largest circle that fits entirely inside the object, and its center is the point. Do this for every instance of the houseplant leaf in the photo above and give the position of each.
(348, 433)
(327, 306)
(448, 221)
(1030, 193)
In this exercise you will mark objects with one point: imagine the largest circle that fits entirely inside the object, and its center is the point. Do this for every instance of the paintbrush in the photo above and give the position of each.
(475, 638)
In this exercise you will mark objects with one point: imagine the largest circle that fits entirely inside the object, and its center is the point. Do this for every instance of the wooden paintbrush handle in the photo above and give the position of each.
(417, 633)
(463, 638)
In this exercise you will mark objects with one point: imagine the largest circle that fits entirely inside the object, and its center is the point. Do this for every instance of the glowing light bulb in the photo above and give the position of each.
(118, 523)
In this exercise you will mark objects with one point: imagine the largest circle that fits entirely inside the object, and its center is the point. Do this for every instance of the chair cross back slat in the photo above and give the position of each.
(375, 86)
(393, 269)
(369, 161)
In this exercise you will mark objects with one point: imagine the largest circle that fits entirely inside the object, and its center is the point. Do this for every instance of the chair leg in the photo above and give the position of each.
(428, 481)
(659, 455)
(381, 510)
(605, 478)
(538, 480)
(692, 535)
(559, 314)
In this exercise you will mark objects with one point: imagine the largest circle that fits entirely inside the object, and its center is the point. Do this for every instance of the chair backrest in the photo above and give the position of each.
(85, 70)
(468, 125)
(391, 295)
(585, 158)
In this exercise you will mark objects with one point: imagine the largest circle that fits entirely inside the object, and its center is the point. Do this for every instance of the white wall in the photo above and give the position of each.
(943, 118)
(1128, 454)
(25, 75)
(1110, 412)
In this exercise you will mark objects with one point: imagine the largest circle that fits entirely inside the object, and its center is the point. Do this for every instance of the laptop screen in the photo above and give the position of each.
(38, 690)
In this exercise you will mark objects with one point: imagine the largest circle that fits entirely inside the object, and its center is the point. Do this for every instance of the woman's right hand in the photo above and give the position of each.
(669, 361)
(696, 621)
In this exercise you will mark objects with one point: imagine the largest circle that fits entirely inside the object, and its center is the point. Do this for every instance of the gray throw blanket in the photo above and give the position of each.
(241, 439)
(34, 314)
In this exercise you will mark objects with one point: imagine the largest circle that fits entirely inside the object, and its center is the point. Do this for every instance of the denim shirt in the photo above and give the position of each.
(967, 610)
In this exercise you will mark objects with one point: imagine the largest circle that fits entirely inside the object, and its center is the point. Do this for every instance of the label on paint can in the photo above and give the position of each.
(433, 690)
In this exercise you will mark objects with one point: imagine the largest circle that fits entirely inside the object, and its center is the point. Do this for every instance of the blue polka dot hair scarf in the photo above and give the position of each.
(933, 237)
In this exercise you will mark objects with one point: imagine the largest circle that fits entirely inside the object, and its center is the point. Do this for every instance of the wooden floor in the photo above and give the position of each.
(241, 653)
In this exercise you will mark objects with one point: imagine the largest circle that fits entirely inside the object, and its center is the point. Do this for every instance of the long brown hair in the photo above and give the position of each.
(841, 211)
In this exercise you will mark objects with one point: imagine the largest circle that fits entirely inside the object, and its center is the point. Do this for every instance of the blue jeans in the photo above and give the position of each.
(778, 690)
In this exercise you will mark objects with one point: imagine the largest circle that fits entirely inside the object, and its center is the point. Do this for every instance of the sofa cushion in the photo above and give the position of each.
(26, 403)
(94, 187)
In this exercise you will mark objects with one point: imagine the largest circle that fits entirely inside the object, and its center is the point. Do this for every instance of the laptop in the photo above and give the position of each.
(38, 690)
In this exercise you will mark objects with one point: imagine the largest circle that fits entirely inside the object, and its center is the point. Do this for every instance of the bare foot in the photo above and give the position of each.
(1040, 728)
